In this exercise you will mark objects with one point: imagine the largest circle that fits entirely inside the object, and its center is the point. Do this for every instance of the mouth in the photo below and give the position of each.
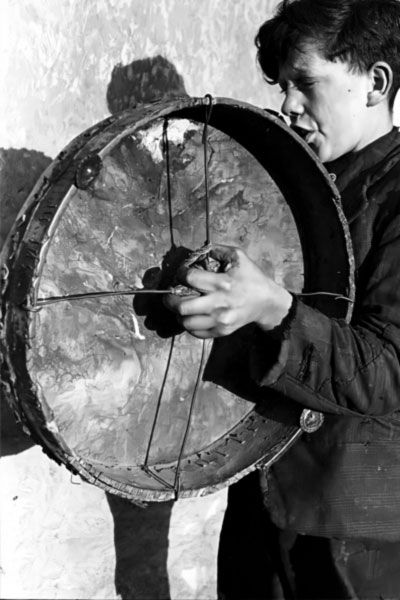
(306, 134)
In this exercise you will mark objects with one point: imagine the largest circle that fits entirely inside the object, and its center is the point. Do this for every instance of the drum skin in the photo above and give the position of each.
(110, 385)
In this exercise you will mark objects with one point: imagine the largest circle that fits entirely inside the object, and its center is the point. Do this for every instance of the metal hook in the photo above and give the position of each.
(209, 107)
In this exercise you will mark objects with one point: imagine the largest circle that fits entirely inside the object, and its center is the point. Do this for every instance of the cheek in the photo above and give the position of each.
(326, 108)
(355, 99)
(340, 114)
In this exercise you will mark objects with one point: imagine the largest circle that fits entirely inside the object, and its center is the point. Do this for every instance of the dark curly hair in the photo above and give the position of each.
(359, 32)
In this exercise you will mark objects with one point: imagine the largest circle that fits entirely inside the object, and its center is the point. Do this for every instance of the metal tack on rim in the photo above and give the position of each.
(311, 420)
(88, 170)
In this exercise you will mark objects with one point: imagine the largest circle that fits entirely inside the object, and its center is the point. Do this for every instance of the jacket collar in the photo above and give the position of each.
(361, 169)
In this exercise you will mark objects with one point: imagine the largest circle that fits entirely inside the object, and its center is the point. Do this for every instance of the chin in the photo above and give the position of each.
(325, 152)
(326, 155)
(321, 154)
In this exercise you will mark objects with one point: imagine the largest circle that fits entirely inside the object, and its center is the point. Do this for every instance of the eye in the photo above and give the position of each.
(305, 84)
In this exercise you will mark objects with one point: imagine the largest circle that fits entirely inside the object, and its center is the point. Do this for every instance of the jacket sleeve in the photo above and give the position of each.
(331, 366)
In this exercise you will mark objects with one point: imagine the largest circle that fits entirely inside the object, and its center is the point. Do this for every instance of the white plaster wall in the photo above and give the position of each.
(57, 533)
(56, 59)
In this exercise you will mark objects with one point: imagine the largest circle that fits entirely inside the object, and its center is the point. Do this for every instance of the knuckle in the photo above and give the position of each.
(225, 329)
(227, 322)
(182, 308)
(191, 277)
(225, 284)
(225, 319)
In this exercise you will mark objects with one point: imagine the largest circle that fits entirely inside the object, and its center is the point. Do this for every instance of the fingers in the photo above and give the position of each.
(214, 313)
(198, 323)
(207, 281)
(185, 307)
(198, 305)
(205, 334)
(202, 280)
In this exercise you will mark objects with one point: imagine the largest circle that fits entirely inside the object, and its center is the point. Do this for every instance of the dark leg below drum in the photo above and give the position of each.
(246, 567)
(141, 549)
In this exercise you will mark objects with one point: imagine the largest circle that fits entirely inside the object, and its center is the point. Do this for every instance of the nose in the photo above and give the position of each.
(292, 105)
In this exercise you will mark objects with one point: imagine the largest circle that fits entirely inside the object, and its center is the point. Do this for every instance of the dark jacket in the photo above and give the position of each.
(344, 479)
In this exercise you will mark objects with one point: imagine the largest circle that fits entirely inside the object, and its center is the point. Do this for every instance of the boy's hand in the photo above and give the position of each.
(239, 295)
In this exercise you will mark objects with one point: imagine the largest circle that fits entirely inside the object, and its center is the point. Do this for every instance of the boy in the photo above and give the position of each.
(334, 498)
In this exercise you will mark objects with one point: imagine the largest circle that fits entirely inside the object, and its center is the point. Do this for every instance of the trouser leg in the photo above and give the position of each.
(371, 568)
(330, 569)
(259, 561)
(246, 565)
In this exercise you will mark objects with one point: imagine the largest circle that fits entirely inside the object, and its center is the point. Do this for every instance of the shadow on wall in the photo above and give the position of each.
(141, 549)
(19, 171)
(144, 80)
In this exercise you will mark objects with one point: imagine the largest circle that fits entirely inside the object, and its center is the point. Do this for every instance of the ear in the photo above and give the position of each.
(381, 77)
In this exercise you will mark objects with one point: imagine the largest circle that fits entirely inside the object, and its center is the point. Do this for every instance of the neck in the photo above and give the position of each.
(379, 124)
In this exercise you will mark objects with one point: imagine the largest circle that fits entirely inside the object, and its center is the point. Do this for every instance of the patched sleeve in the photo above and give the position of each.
(329, 365)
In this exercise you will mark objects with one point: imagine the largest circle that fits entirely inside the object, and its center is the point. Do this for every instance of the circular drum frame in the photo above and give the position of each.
(328, 266)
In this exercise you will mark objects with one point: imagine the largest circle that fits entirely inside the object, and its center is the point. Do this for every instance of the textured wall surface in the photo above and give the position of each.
(66, 64)
(58, 56)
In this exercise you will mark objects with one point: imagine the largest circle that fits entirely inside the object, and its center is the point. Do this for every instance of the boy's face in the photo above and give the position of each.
(326, 102)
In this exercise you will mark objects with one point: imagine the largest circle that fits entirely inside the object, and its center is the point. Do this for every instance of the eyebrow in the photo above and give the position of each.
(298, 78)
(302, 73)
(302, 70)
